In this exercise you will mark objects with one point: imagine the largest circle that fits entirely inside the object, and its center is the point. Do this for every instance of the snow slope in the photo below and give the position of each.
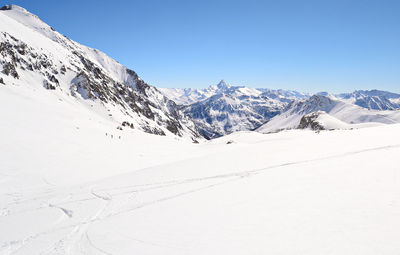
(33, 55)
(68, 188)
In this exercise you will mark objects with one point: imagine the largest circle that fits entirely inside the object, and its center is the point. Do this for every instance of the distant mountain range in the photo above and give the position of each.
(222, 109)
(373, 99)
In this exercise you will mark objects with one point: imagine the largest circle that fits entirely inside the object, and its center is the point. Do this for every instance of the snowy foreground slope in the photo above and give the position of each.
(68, 188)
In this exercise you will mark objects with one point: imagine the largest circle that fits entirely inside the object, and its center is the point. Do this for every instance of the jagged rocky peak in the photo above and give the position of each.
(223, 85)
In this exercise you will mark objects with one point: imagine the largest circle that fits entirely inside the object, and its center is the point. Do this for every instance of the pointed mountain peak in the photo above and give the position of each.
(223, 85)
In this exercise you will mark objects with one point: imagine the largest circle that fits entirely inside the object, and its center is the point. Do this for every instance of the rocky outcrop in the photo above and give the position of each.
(310, 121)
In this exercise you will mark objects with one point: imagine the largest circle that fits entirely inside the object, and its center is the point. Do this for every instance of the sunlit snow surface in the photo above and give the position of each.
(68, 188)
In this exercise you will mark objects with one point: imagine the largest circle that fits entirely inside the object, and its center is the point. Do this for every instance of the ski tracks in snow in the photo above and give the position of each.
(119, 200)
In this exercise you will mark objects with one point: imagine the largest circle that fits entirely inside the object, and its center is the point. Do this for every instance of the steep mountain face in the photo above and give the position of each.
(373, 99)
(222, 109)
(322, 112)
(33, 54)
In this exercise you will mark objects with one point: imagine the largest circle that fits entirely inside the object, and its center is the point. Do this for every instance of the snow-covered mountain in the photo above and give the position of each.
(222, 109)
(322, 112)
(189, 95)
(373, 99)
(228, 112)
(35, 56)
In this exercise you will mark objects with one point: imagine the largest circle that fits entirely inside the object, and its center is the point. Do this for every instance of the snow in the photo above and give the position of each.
(68, 188)
(338, 114)
(71, 183)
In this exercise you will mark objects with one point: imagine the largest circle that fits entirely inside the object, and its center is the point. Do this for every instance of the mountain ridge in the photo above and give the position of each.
(34, 53)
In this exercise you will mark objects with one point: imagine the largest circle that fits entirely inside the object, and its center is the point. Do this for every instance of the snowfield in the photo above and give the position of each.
(68, 188)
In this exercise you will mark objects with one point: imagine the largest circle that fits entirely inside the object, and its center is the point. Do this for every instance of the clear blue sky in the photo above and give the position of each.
(309, 45)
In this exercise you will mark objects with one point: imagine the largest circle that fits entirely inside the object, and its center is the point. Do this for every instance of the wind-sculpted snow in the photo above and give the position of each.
(35, 55)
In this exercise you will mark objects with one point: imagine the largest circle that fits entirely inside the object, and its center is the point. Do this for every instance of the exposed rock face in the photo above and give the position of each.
(309, 121)
(43, 56)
